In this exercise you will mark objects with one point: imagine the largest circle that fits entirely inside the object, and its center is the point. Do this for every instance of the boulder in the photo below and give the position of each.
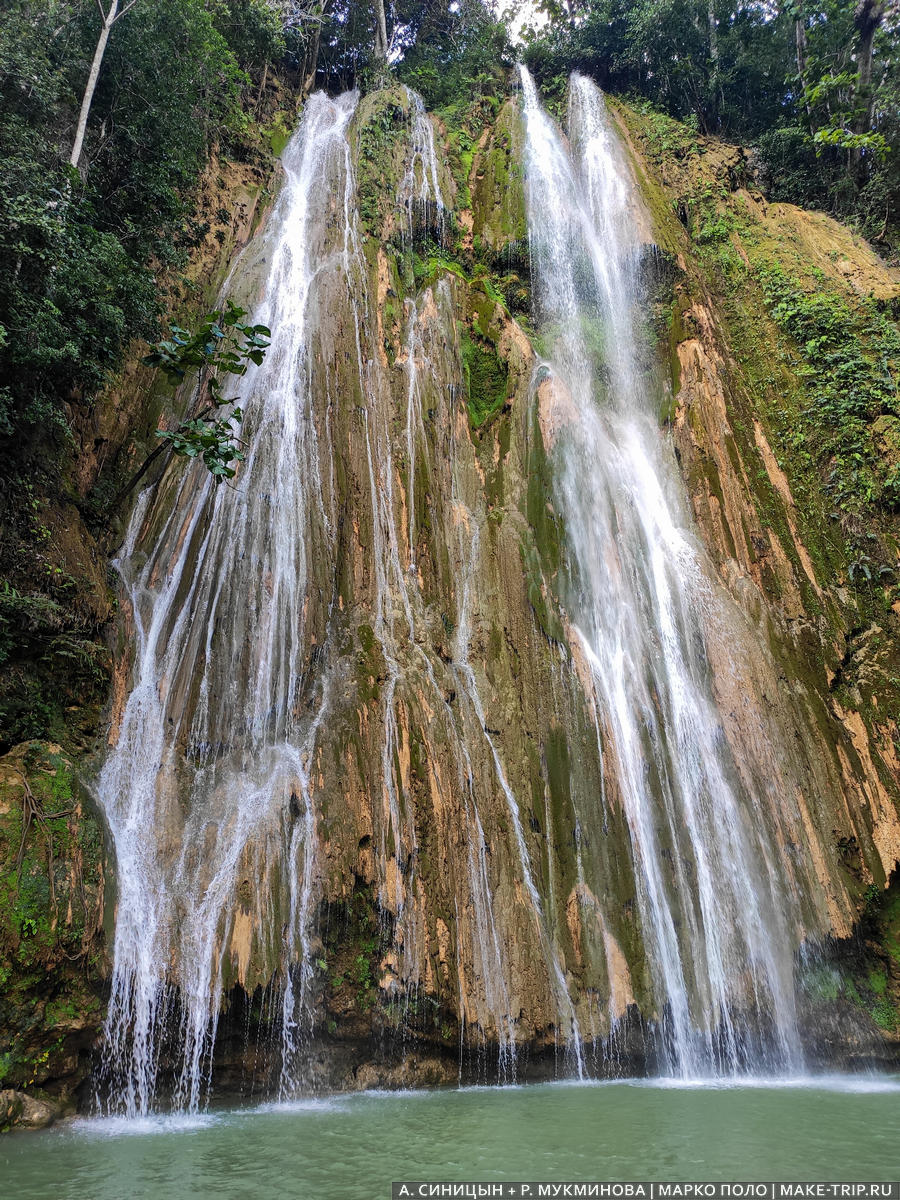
(20, 1111)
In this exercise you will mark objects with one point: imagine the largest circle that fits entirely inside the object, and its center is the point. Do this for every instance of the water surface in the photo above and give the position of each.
(352, 1147)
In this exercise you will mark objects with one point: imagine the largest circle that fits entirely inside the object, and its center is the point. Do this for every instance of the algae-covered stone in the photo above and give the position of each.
(498, 188)
(52, 899)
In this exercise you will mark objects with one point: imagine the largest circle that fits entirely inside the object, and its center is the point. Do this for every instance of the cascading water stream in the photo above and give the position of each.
(566, 1010)
(420, 189)
(421, 202)
(641, 596)
(401, 629)
(421, 197)
(249, 651)
(209, 776)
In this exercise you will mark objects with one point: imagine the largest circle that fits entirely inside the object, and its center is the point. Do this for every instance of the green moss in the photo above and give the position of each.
(49, 911)
(541, 551)
(867, 982)
(279, 133)
(429, 267)
(877, 981)
(544, 610)
(663, 208)
(884, 1014)
(890, 924)
(487, 380)
(380, 127)
(678, 333)
(366, 635)
(498, 195)
(823, 983)
(369, 664)
(354, 941)
(849, 361)
(417, 756)
(542, 519)
(558, 771)
(460, 155)
(559, 775)
(422, 507)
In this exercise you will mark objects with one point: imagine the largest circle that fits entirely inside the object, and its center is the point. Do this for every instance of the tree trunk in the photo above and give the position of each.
(800, 39)
(262, 87)
(381, 38)
(108, 21)
(717, 99)
(311, 65)
(139, 474)
(311, 57)
(713, 35)
(867, 17)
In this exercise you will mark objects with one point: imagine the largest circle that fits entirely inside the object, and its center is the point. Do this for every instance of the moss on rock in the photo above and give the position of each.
(52, 905)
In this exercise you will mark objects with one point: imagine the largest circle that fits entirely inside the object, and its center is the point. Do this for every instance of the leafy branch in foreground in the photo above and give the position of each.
(223, 345)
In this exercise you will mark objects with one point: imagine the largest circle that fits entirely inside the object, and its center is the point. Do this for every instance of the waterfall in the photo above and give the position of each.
(401, 626)
(206, 790)
(641, 597)
(343, 693)
(420, 192)
(565, 1008)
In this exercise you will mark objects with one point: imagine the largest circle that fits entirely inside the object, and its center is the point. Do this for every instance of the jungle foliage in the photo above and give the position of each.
(87, 251)
(83, 248)
(814, 84)
(442, 48)
(223, 345)
(85, 257)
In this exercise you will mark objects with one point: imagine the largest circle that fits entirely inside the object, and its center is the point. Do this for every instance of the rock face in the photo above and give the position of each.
(814, 575)
(443, 861)
(52, 905)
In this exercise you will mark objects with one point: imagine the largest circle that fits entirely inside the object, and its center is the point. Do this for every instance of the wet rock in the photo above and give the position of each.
(21, 1111)
(412, 1071)
(52, 900)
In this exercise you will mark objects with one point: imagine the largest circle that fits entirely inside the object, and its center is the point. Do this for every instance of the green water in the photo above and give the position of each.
(351, 1147)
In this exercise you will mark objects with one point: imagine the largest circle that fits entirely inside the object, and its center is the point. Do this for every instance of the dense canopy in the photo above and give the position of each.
(813, 86)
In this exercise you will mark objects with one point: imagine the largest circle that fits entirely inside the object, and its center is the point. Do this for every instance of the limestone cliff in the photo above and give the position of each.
(471, 883)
